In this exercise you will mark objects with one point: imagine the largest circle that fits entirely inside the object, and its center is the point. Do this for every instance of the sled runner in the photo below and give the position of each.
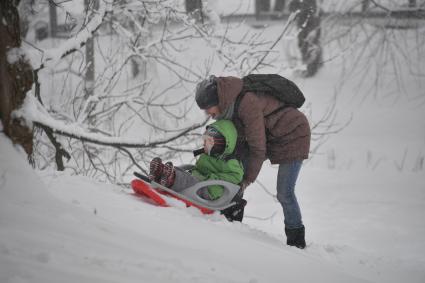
(190, 196)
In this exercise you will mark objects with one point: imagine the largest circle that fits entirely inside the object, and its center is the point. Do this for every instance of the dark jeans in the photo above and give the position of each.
(286, 179)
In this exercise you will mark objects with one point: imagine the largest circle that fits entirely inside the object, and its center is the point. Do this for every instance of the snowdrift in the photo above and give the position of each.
(91, 232)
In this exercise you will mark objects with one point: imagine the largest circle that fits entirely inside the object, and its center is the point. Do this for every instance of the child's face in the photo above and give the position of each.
(213, 111)
(208, 143)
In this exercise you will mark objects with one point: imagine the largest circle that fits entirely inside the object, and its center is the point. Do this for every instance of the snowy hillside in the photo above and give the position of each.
(58, 228)
(362, 192)
(364, 223)
(61, 228)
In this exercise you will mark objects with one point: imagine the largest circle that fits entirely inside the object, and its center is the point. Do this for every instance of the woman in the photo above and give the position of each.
(266, 130)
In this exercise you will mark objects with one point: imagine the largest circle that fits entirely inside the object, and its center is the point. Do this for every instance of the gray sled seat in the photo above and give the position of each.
(192, 194)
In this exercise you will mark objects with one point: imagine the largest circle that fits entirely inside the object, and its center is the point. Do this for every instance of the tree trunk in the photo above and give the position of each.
(412, 3)
(308, 22)
(53, 19)
(193, 5)
(16, 76)
(89, 76)
(279, 5)
(194, 8)
(365, 5)
(261, 6)
(90, 73)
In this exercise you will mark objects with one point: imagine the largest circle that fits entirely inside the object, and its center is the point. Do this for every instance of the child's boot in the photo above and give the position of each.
(155, 169)
(168, 175)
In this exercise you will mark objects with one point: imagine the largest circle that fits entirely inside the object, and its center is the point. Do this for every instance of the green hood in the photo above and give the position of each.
(228, 130)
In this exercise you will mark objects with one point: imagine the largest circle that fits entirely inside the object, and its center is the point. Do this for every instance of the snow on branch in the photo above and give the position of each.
(51, 56)
(33, 111)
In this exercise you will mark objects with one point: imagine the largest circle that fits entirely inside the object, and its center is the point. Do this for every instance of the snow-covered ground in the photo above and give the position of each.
(61, 228)
(363, 225)
(362, 196)
(364, 222)
(57, 228)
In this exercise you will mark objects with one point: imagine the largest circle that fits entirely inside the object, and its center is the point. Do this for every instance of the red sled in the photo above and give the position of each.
(158, 194)
(142, 188)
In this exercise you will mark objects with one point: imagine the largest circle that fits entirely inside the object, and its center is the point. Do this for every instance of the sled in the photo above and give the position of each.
(190, 196)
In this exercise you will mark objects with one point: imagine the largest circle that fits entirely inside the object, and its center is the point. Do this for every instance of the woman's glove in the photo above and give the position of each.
(242, 186)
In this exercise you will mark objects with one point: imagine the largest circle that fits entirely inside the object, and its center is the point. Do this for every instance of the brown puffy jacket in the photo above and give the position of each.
(282, 137)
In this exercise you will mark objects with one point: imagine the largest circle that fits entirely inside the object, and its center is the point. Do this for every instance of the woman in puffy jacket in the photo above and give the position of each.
(267, 129)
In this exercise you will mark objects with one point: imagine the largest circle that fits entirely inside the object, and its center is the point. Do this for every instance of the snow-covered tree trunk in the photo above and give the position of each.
(53, 19)
(15, 75)
(89, 76)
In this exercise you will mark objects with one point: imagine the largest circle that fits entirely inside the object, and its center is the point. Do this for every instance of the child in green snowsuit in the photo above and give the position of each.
(216, 163)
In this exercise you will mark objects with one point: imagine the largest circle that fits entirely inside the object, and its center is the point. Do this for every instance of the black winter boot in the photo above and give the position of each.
(295, 237)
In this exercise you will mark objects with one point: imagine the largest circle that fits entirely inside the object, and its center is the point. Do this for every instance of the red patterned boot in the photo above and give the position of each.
(168, 175)
(155, 169)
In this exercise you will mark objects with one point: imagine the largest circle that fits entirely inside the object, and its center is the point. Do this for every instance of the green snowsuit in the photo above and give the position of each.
(224, 167)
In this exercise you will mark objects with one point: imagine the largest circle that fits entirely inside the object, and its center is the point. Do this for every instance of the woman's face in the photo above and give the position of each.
(213, 112)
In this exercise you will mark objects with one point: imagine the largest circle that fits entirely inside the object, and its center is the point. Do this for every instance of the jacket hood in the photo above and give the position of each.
(228, 130)
(228, 88)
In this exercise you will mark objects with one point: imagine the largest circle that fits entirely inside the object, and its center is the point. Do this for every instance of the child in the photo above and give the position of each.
(216, 163)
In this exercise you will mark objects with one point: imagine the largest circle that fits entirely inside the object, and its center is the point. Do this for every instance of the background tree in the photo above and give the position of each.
(53, 18)
(308, 23)
(369, 36)
(412, 3)
(15, 76)
(279, 5)
(129, 119)
(95, 130)
(194, 8)
(261, 6)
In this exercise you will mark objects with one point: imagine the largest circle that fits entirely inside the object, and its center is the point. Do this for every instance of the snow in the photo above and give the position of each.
(364, 220)
(15, 54)
(362, 197)
(59, 228)
(33, 111)
(52, 56)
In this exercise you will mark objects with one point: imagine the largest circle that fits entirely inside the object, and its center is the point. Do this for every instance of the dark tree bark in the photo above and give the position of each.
(90, 74)
(16, 76)
(53, 19)
(261, 6)
(194, 8)
(192, 5)
(365, 5)
(279, 5)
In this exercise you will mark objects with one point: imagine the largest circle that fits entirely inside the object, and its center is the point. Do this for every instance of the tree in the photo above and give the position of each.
(383, 36)
(412, 3)
(365, 5)
(308, 23)
(15, 76)
(279, 5)
(91, 129)
(89, 75)
(194, 8)
(261, 6)
(127, 120)
(53, 19)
